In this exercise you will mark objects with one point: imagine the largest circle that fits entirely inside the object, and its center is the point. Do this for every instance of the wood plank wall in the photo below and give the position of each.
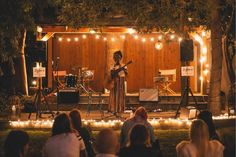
(93, 53)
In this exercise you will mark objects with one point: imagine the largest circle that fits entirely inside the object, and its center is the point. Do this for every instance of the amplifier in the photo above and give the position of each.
(68, 96)
(148, 95)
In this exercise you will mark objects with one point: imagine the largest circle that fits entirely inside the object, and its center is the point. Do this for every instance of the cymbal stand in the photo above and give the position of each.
(89, 94)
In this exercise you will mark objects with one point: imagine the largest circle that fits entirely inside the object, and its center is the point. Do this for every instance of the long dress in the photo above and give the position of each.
(117, 92)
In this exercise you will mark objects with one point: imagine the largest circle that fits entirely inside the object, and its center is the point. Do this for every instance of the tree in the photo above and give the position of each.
(17, 18)
(180, 16)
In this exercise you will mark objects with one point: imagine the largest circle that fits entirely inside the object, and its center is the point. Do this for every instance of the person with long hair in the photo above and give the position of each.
(83, 133)
(206, 116)
(63, 142)
(16, 144)
(140, 117)
(139, 144)
(199, 144)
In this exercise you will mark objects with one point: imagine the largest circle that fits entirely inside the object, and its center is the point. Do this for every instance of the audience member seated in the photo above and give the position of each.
(139, 144)
(63, 142)
(199, 144)
(106, 143)
(76, 121)
(16, 144)
(140, 117)
(206, 116)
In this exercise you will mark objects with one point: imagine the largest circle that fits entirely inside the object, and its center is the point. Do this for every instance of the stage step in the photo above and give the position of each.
(165, 103)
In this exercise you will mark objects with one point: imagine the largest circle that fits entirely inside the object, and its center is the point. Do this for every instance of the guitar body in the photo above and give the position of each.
(109, 82)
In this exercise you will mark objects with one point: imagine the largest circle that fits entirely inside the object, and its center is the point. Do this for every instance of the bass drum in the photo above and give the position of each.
(71, 81)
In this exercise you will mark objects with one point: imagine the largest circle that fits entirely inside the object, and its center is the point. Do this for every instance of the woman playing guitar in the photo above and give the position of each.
(117, 84)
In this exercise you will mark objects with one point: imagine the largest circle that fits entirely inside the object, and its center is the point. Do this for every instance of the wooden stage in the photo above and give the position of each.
(100, 102)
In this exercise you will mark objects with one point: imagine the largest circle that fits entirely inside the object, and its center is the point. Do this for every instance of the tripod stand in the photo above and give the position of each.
(38, 102)
(185, 97)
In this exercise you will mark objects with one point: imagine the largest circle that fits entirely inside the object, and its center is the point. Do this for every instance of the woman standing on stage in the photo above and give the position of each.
(117, 85)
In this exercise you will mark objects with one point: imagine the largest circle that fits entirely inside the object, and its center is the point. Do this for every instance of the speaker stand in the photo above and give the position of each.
(185, 97)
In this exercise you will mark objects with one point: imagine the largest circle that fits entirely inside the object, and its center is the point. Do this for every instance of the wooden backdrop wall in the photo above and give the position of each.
(93, 53)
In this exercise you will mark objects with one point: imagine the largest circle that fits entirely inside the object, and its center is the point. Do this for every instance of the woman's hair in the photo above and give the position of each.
(76, 119)
(61, 124)
(141, 112)
(206, 116)
(15, 143)
(119, 53)
(199, 136)
(139, 135)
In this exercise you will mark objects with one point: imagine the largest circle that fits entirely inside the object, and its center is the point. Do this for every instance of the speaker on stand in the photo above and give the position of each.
(186, 50)
(186, 55)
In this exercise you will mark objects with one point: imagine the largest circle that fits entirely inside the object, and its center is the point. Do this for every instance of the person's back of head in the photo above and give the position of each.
(76, 121)
(206, 116)
(106, 142)
(16, 144)
(141, 112)
(139, 135)
(61, 124)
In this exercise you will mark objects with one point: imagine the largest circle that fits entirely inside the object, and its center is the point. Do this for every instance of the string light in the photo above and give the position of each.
(158, 45)
(99, 124)
(143, 39)
(152, 39)
(122, 36)
(68, 39)
(203, 33)
(92, 31)
(180, 39)
(204, 50)
(203, 59)
(160, 37)
(105, 39)
(205, 71)
(136, 37)
(76, 39)
(131, 30)
(172, 36)
(97, 37)
(112, 39)
(84, 36)
(60, 39)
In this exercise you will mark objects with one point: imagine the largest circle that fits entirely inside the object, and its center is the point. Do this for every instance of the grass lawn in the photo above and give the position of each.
(168, 140)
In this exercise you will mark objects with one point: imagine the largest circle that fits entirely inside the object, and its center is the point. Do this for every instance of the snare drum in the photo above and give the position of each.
(71, 80)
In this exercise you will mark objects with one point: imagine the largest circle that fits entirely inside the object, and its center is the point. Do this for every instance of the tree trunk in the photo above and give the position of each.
(214, 100)
(22, 86)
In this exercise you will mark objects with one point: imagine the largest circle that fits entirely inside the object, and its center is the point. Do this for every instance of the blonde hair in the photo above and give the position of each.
(199, 136)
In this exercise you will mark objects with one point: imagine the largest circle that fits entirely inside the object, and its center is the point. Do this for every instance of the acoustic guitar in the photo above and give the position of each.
(114, 74)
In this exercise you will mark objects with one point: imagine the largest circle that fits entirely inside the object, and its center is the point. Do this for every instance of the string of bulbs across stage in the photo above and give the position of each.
(157, 39)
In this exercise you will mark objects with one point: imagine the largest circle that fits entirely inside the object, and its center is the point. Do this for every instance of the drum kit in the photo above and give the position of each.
(83, 78)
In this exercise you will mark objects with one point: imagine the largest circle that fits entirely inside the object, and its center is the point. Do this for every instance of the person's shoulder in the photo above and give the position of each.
(183, 145)
(215, 144)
